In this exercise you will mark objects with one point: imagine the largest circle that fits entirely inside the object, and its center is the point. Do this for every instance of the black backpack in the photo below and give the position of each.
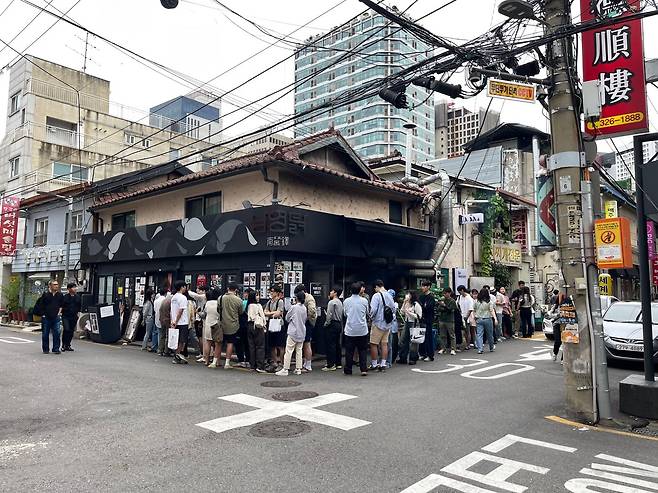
(388, 313)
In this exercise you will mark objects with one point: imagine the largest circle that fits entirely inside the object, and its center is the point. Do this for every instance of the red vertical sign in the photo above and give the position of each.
(9, 224)
(614, 55)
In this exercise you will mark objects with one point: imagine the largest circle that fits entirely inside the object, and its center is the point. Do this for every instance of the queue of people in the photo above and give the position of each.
(267, 335)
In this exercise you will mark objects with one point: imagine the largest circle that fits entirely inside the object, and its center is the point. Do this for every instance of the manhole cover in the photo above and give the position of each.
(279, 429)
(279, 384)
(295, 395)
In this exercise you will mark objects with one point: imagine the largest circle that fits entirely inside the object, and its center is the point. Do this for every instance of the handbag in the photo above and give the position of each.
(417, 333)
(275, 325)
(172, 339)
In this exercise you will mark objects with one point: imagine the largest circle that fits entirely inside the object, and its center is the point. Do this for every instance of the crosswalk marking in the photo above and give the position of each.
(15, 340)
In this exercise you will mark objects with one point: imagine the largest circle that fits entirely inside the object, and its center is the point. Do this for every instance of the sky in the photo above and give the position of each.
(202, 40)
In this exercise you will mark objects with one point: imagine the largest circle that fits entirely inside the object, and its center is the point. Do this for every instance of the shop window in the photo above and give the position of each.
(205, 205)
(76, 227)
(123, 221)
(41, 231)
(394, 212)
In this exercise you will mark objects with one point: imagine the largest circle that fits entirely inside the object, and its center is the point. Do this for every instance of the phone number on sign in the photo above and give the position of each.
(615, 121)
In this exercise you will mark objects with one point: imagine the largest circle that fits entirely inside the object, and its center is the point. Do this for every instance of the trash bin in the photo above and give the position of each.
(104, 323)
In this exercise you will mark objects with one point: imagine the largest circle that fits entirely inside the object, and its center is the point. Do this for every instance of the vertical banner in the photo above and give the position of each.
(546, 225)
(9, 221)
(651, 239)
(614, 56)
(611, 210)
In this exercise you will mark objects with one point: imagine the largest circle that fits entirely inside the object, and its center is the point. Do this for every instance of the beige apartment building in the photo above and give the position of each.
(54, 110)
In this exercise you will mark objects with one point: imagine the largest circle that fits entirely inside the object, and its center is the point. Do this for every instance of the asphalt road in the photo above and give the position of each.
(111, 418)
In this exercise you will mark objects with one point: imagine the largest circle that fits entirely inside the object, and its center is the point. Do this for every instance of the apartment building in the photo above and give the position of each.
(624, 167)
(373, 127)
(455, 126)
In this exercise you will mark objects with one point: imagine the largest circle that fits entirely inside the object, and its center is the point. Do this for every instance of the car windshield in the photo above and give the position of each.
(622, 312)
(654, 315)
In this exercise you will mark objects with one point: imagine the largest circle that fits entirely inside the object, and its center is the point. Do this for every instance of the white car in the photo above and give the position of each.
(622, 330)
(550, 316)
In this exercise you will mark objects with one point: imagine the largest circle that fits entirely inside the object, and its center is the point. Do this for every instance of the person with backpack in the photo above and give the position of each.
(382, 309)
(413, 316)
(49, 308)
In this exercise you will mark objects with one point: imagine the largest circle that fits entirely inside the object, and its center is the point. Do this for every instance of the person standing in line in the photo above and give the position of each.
(500, 301)
(466, 304)
(241, 345)
(180, 319)
(274, 310)
(413, 315)
(516, 314)
(212, 333)
(199, 298)
(333, 326)
(165, 323)
(148, 316)
(393, 336)
(428, 304)
(256, 327)
(484, 317)
(382, 310)
(157, 303)
(526, 301)
(230, 310)
(296, 318)
(356, 330)
(49, 308)
(71, 305)
(446, 314)
(312, 317)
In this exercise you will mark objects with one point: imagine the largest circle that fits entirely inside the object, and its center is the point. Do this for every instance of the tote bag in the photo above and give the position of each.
(172, 339)
(417, 333)
(275, 325)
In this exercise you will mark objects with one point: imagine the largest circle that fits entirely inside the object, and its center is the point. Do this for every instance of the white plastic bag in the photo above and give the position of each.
(172, 339)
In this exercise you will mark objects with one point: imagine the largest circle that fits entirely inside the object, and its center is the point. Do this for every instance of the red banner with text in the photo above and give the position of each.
(614, 56)
(9, 222)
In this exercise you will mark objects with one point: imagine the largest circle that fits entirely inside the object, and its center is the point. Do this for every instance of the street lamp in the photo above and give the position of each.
(69, 230)
(516, 9)
(169, 4)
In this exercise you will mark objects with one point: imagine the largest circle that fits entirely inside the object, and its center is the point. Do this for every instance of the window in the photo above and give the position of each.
(14, 103)
(76, 228)
(174, 154)
(394, 212)
(123, 221)
(129, 139)
(41, 231)
(205, 205)
(146, 143)
(14, 167)
(70, 172)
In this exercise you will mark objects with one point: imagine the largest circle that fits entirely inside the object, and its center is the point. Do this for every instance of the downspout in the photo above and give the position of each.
(275, 185)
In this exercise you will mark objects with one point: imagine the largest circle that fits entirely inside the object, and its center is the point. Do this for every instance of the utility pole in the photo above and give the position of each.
(567, 167)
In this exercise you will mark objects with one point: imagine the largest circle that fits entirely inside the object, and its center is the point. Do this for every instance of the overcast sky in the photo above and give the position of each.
(199, 40)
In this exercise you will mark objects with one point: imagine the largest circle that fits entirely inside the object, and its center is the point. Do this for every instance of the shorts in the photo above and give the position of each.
(377, 335)
(198, 329)
(230, 338)
(277, 339)
(309, 332)
(216, 334)
(183, 333)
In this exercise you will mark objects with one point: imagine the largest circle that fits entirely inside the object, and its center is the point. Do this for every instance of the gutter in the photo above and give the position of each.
(275, 185)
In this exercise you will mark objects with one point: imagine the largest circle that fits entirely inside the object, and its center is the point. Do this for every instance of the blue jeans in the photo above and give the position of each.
(484, 324)
(49, 325)
(428, 348)
(155, 338)
(150, 325)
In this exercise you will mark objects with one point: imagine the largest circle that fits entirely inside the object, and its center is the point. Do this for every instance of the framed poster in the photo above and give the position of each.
(287, 265)
(133, 324)
(93, 324)
(298, 266)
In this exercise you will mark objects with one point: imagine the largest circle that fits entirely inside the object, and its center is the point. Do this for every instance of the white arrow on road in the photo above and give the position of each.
(543, 353)
(302, 409)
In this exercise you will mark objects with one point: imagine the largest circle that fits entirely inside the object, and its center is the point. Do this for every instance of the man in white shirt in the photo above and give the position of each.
(180, 320)
(466, 306)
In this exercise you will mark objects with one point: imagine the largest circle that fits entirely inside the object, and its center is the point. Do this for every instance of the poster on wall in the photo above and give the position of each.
(93, 324)
(287, 265)
(133, 324)
(216, 281)
(298, 266)
(188, 279)
(201, 281)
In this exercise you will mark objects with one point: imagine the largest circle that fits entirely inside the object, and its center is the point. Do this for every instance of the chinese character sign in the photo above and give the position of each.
(614, 56)
(651, 239)
(9, 220)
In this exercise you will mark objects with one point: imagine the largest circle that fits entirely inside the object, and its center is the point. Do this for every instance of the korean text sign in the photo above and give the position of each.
(614, 56)
(9, 220)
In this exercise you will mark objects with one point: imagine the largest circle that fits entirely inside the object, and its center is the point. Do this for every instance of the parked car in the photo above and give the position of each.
(622, 330)
(606, 301)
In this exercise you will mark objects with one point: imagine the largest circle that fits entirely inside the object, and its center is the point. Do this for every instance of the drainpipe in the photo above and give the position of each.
(275, 185)
(410, 141)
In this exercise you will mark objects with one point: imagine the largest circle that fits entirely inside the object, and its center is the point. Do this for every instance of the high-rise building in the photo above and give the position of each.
(368, 49)
(456, 126)
(624, 167)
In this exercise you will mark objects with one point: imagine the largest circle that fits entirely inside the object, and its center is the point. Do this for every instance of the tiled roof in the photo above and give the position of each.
(70, 191)
(287, 154)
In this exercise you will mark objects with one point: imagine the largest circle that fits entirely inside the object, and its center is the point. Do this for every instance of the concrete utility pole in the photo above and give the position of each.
(567, 166)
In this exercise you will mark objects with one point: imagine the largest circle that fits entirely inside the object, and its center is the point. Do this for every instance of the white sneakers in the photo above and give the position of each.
(453, 352)
(282, 373)
(441, 351)
(213, 364)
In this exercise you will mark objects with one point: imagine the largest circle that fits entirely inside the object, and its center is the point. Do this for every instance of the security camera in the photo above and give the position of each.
(474, 78)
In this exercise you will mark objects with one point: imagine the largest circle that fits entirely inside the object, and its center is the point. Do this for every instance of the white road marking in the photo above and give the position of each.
(303, 410)
(452, 367)
(519, 369)
(11, 451)
(581, 485)
(543, 353)
(433, 481)
(15, 340)
(508, 440)
(619, 478)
